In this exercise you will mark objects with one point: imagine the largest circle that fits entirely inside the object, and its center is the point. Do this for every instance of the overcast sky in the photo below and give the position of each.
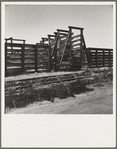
(31, 22)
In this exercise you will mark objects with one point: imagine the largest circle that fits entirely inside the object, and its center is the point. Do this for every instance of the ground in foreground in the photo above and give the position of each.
(98, 101)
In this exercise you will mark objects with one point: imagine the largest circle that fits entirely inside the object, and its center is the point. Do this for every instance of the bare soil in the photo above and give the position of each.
(97, 101)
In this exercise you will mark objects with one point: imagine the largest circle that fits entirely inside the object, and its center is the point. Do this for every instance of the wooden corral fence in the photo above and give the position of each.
(64, 50)
(67, 48)
(100, 57)
(23, 58)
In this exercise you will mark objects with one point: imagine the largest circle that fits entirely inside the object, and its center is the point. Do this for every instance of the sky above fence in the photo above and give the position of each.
(31, 22)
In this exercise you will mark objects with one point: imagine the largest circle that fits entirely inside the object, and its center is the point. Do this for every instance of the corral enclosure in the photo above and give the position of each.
(65, 50)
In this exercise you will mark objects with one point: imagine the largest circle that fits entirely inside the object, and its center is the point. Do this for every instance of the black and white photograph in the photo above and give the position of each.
(58, 60)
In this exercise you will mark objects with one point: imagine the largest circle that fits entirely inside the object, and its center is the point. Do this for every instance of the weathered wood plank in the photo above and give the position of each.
(13, 68)
(28, 53)
(29, 66)
(13, 50)
(76, 36)
(73, 27)
(78, 40)
(13, 64)
(75, 45)
(42, 67)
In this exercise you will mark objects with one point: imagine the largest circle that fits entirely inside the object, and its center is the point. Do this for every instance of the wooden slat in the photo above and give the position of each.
(14, 67)
(41, 61)
(77, 56)
(45, 39)
(29, 66)
(93, 56)
(52, 45)
(26, 61)
(42, 55)
(20, 45)
(62, 34)
(91, 48)
(75, 41)
(73, 27)
(61, 30)
(62, 41)
(62, 37)
(76, 52)
(42, 52)
(78, 48)
(13, 61)
(77, 36)
(52, 41)
(76, 45)
(42, 67)
(14, 54)
(101, 57)
(13, 64)
(29, 56)
(29, 70)
(13, 57)
(107, 56)
(28, 53)
(44, 63)
(29, 50)
(14, 45)
(13, 50)
(41, 49)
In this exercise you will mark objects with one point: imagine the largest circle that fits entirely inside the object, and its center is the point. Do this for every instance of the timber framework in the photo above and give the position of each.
(64, 50)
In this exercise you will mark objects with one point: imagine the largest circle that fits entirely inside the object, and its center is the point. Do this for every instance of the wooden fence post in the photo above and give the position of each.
(109, 59)
(70, 31)
(6, 59)
(96, 58)
(56, 52)
(82, 49)
(36, 54)
(22, 58)
(103, 58)
(43, 42)
(49, 56)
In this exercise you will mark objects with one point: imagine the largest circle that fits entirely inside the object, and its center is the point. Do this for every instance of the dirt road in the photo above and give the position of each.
(98, 101)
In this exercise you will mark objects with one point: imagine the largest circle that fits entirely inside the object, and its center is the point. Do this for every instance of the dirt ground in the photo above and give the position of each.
(97, 101)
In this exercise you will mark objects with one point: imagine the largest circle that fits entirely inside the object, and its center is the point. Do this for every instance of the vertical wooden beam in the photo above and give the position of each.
(49, 55)
(55, 54)
(12, 45)
(70, 31)
(43, 41)
(87, 52)
(103, 58)
(24, 41)
(109, 58)
(22, 58)
(96, 58)
(36, 63)
(81, 45)
(6, 74)
(64, 48)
